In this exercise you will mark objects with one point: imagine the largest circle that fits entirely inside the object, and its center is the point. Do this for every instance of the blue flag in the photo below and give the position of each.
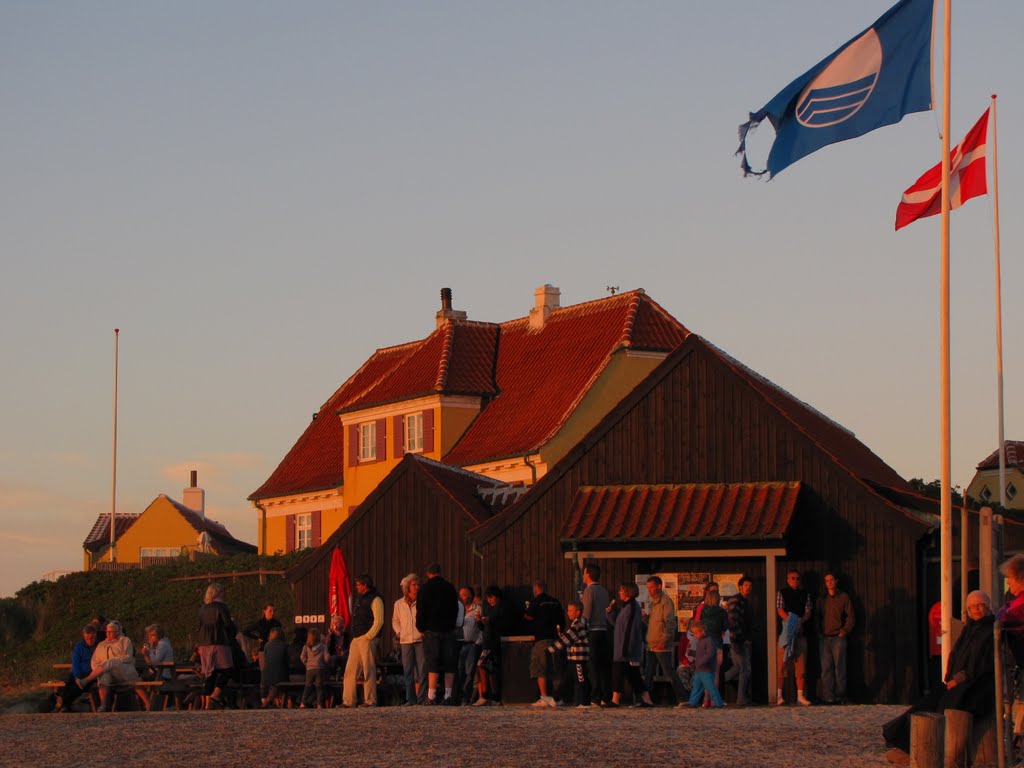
(874, 80)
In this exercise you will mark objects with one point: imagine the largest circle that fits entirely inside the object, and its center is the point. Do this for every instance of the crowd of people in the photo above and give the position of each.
(448, 642)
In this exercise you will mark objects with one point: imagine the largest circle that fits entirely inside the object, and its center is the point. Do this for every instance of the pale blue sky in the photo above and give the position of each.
(260, 194)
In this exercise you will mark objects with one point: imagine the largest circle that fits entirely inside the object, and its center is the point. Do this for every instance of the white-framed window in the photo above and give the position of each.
(414, 433)
(986, 494)
(303, 531)
(1011, 491)
(159, 551)
(368, 441)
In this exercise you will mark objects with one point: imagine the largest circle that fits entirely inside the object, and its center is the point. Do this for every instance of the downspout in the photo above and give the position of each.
(263, 526)
(532, 466)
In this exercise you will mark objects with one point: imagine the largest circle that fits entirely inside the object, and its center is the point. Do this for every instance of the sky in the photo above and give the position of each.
(260, 194)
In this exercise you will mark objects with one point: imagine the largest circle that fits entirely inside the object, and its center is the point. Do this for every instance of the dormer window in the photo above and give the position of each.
(368, 442)
(414, 433)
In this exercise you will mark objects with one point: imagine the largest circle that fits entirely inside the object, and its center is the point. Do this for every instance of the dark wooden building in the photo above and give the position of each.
(702, 418)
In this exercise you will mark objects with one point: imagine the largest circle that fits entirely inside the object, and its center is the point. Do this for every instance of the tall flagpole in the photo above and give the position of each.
(113, 481)
(999, 312)
(946, 472)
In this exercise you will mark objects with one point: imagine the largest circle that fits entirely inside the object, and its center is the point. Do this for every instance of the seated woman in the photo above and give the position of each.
(970, 674)
(157, 650)
(113, 663)
(336, 647)
(81, 658)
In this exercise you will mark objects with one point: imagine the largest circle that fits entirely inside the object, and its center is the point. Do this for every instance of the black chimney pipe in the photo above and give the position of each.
(446, 299)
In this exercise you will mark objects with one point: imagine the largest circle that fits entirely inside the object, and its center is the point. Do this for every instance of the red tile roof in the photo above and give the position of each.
(533, 379)
(99, 536)
(543, 374)
(657, 513)
(223, 542)
(1014, 456)
(315, 462)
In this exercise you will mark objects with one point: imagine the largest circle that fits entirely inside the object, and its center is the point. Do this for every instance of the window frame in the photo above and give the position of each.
(304, 530)
(413, 432)
(368, 441)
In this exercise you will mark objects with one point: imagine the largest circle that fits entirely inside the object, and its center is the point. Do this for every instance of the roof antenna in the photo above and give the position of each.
(612, 289)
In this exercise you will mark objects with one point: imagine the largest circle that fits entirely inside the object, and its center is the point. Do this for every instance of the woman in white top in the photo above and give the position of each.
(410, 640)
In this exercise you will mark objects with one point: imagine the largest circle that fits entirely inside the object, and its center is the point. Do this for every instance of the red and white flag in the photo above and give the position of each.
(966, 179)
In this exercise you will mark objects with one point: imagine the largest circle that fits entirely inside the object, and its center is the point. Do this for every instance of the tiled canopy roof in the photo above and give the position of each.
(532, 379)
(1014, 456)
(661, 513)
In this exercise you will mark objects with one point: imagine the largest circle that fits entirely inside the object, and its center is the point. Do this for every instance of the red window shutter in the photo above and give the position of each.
(353, 446)
(398, 435)
(382, 442)
(316, 529)
(428, 430)
(289, 533)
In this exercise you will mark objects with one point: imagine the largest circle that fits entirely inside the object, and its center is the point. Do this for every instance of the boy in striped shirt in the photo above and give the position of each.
(576, 644)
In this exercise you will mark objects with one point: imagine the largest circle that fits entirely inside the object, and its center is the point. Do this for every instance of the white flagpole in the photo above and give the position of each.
(946, 532)
(113, 482)
(999, 312)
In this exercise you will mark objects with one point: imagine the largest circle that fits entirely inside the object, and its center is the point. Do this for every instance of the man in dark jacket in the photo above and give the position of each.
(437, 611)
(741, 634)
(546, 617)
(260, 629)
(835, 622)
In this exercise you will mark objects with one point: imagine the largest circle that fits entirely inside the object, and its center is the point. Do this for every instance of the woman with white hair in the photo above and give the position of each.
(410, 640)
(970, 674)
(216, 633)
(113, 663)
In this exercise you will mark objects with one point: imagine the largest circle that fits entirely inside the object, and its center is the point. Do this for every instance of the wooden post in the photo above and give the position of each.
(927, 740)
(771, 622)
(958, 738)
(1003, 738)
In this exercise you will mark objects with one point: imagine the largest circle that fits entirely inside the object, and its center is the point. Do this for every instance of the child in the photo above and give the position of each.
(275, 665)
(314, 657)
(705, 667)
(577, 644)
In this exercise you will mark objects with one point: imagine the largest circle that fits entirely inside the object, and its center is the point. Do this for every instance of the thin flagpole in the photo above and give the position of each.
(999, 312)
(944, 407)
(113, 481)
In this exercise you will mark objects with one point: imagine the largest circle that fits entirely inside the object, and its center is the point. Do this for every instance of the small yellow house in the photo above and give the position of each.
(165, 529)
(984, 487)
(506, 400)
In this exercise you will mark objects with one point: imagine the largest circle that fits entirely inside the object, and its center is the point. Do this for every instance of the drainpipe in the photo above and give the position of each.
(532, 466)
(263, 526)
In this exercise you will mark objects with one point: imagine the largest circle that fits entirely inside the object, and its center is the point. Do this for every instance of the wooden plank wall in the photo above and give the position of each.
(702, 423)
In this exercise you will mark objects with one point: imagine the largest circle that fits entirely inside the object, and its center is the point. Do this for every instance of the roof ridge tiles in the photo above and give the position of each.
(446, 357)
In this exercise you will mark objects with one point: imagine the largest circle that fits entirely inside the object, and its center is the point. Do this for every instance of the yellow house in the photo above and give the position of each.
(506, 400)
(165, 529)
(984, 487)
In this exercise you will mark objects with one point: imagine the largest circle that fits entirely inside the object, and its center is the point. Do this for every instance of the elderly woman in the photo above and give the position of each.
(157, 650)
(410, 640)
(113, 663)
(336, 646)
(970, 674)
(627, 646)
(216, 634)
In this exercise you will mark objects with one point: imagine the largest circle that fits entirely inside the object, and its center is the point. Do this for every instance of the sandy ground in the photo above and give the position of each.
(787, 737)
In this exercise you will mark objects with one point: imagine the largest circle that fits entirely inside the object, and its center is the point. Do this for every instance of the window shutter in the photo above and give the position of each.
(353, 446)
(398, 435)
(315, 532)
(382, 442)
(428, 430)
(289, 533)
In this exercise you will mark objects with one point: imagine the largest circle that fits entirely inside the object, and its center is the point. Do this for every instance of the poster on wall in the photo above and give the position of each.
(689, 594)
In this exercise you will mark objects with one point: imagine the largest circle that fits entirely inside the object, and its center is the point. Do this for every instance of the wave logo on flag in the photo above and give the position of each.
(844, 86)
(876, 78)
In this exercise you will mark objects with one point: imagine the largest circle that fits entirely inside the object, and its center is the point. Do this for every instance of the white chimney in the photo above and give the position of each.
(545, 300)
(194, 497)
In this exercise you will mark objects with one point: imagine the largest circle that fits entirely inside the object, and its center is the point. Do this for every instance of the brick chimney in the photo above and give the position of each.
(545, 300)
(194, 497)
(447, 313)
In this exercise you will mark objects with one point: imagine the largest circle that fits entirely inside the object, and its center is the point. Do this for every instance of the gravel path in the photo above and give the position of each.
(508, 736)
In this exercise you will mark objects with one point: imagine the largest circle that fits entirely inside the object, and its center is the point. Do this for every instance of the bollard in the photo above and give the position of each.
(927, 740)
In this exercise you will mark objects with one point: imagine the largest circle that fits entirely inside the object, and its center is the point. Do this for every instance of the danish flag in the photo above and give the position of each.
(966, 179)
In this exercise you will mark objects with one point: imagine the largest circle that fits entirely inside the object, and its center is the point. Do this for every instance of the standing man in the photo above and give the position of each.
(546, 617)
(470, 644)
(367, 622)
(741, 632)
(835, 622)
(793, 605)
(403, 623)
(595, 601)
(437, 612)
(260, 631)
(661, 638)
